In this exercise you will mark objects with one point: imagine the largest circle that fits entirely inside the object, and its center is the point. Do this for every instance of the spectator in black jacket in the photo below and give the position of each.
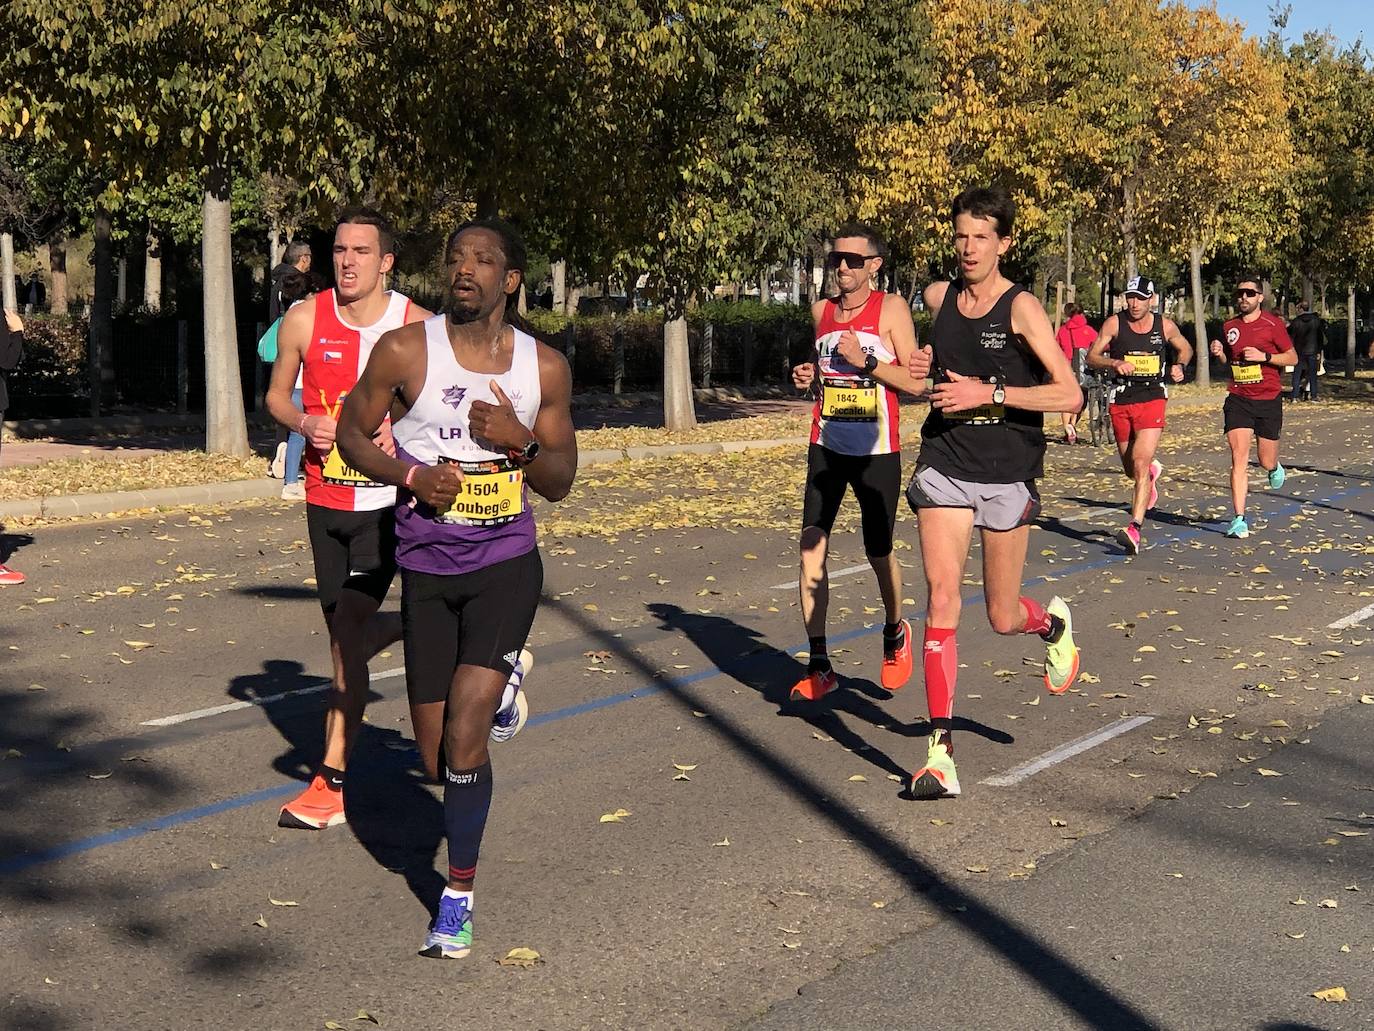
(1308, 332)
(297, 257)
(11, 349)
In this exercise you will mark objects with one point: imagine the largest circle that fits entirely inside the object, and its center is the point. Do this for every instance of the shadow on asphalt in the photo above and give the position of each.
(392, 813)
(1075, 989)
(12, 542)
(280, 592)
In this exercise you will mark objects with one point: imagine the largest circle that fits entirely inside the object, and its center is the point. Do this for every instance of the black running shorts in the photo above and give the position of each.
(1265, 417)
(877, 484)
(480, 618)
(354, 551)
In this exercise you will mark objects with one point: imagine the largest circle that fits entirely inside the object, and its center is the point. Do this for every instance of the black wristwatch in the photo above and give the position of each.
(527, 454)
(870, 362)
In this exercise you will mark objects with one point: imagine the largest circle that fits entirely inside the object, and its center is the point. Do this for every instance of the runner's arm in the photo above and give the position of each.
(293, 337)
(1182, 349)
(388, 370)
(1286, 357)
(894, 323)
(1097, 351)
(1062, 393)
(553, 469)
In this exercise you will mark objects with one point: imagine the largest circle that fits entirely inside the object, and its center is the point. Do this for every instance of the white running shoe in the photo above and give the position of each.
(510, 719)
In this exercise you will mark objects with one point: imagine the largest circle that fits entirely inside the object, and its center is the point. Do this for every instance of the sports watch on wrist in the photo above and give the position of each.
(999, 394)
(527, 454)
(870, 362)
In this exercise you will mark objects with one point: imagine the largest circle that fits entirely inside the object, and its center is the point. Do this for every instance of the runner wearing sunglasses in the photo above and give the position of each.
(864, 340)
(1257, 346)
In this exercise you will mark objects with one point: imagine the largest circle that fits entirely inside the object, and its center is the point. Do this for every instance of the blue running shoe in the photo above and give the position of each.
(1276, 476)
(451, 935)
(1239, 528)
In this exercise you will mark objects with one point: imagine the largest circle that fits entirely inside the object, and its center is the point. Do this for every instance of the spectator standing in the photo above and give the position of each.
(11, 349)
(1075, 336)
(1308, 332)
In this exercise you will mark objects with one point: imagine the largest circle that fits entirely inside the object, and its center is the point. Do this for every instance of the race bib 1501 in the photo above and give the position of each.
(1144, 364)
(492, 493)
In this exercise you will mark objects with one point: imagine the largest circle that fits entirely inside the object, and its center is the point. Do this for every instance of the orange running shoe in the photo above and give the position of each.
(814, 686)
(317, 807)
(897, 666)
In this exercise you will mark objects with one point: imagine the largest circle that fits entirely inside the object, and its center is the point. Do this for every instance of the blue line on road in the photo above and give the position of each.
(17, 864)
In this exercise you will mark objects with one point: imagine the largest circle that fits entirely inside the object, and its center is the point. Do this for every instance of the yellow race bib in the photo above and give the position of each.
(855, 402)
(983, 415)
(492, 493)
(335, 470)
(1246, 372)
(1144, 364)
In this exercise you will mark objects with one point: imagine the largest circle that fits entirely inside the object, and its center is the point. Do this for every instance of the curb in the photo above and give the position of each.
(69, 505)
(609, 456)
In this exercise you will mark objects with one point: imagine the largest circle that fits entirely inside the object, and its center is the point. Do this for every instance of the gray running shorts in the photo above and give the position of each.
(996, 506)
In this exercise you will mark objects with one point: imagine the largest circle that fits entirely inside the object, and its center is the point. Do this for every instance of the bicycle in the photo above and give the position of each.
(1097, 396)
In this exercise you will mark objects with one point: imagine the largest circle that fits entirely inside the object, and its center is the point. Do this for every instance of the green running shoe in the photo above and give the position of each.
(1239, 528)
(1061, 656)
(1276, 476)
(937, 778)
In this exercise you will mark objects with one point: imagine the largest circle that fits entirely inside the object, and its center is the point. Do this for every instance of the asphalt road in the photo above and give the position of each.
(159, 700)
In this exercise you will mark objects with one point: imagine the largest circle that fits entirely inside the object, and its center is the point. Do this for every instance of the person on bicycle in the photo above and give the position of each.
(1135, 345)
(1075, 336)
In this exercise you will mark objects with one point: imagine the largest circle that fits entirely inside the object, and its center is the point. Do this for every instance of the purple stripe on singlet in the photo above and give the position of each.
(425, 545)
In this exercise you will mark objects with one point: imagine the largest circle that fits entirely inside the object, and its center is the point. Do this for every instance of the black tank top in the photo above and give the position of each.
(995, 444)
(1152, 357)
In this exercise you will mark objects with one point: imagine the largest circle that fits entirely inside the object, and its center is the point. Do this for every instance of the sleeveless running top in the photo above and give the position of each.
(1149, 353)
(491, 520)
(336, 357)
(854, 414)
(993, 443)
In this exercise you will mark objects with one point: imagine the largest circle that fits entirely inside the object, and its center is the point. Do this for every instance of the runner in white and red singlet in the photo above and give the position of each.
(328, 338)
(864, 339)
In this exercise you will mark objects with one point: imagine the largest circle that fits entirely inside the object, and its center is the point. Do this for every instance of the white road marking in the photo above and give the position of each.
(846, 571)
(1352, 619)
(216, 710)
(1065, 751)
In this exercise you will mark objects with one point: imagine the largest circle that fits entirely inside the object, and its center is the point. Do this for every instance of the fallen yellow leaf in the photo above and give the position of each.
(1336, 994)
(520, 957)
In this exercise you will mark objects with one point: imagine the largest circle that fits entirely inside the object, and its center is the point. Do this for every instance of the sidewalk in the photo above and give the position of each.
(129, 438)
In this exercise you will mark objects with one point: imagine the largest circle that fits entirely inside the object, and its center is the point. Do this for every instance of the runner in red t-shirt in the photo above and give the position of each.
(1257, 346)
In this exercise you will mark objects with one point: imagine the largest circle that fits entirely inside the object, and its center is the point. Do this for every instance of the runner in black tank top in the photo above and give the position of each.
(997, 369)
(1135, 345)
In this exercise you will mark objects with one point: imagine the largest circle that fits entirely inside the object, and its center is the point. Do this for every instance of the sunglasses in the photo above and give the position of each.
(848, 259)
(1247, 292)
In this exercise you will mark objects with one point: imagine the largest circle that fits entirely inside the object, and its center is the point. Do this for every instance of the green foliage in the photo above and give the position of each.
(54, 363)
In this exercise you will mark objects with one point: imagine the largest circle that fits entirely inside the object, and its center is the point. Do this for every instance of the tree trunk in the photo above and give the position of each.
(102, 315)
(488, 204)
(1325, 310)
(1350, 333)
(152, 272)
(796, 280)
(1068, 264)
(1128, 227)
(9, 293)
(764, 277)
(559, 273)
(1200, 343)
(1307, 291)
(121, 282)
(226, 428)
(57, 265)
(574, 299)
(679, 404)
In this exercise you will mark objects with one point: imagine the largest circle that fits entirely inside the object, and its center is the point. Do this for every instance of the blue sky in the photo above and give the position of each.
(1347, 19)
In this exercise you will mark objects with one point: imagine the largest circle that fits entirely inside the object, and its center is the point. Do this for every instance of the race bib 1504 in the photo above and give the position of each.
(492, 493)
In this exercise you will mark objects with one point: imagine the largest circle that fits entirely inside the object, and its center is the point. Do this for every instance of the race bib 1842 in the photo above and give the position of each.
(1246, 372)
(844, 400)
(492, 493)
